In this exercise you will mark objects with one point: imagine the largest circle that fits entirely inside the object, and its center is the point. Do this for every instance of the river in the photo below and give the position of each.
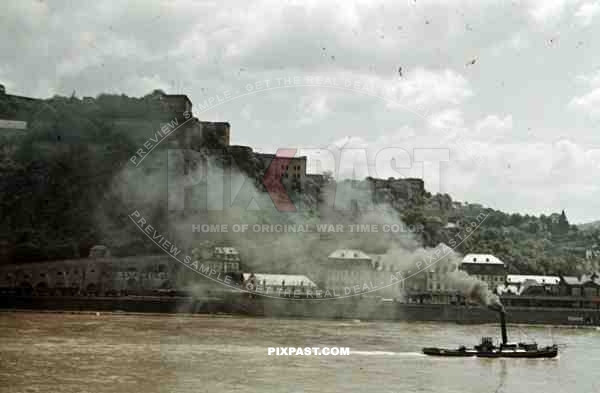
(53, 352)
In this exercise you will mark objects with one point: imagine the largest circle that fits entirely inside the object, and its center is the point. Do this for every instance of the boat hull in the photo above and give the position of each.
(536, 354)
(549, 352)
(449, 352)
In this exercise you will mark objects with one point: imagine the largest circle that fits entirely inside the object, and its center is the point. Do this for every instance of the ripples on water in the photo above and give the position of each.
(148, 353)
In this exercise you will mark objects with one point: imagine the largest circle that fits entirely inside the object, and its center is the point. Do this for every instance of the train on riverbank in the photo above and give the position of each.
(356, 308)
(146, 283)
(154, 275)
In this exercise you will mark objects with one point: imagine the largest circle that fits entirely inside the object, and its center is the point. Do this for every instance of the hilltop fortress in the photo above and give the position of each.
(158, 122)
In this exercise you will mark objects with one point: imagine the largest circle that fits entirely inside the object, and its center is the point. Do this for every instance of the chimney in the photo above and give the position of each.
(503, 327)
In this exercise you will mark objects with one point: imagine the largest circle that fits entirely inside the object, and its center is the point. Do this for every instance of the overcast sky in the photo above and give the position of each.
(511, 90)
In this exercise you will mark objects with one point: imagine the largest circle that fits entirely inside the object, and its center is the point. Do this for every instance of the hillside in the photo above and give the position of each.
(57, 178)
(528, 244)
(589, 226)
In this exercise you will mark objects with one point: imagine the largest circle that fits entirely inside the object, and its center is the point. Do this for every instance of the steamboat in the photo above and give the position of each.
(487, 349)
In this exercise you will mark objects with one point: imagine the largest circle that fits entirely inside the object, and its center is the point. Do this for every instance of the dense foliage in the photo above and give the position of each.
(55, 178)
(545, 244)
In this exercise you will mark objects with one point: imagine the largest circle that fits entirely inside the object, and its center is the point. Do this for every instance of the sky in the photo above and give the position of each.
(495, 103)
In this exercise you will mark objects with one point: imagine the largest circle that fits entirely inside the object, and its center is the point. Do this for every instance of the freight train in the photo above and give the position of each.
(108, 276)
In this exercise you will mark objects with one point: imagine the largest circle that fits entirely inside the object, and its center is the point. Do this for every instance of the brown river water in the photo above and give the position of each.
(51, 352)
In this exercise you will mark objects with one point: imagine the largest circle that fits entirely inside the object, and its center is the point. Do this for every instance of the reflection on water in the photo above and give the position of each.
(149, 353)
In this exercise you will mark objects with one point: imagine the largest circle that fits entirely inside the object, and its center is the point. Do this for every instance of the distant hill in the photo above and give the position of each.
(589, 225)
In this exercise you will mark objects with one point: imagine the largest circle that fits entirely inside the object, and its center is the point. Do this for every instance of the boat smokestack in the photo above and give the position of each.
(503, 326)
(497, 306)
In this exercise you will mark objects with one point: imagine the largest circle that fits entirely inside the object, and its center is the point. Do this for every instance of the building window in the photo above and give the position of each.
(589, 292)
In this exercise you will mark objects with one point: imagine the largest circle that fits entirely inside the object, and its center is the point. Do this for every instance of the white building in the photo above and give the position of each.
(517, 284)
(436, 277)
(229, 257)
(345, 255)
(279, 284)
(485, 267)
(351, 271)
(219, 259)
(346, 268)
(482, 259)
(521, 279)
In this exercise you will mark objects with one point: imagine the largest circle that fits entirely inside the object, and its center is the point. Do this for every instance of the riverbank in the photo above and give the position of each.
(279, 319)
(350, 309)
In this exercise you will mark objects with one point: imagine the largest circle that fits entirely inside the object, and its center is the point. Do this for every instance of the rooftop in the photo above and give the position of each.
(13, 124)
(290, 280)
(509, 289)
(482, 259)
(520, 279)
(348, 254)
(271, 155)
(226, 250)
(216, 123)
(588, 278)
(176, 96)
